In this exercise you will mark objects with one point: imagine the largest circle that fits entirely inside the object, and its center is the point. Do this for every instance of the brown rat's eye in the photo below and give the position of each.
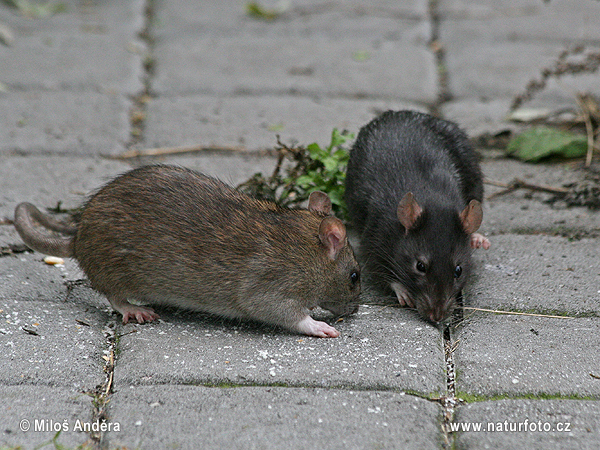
(354, 277)
(421, 267)
(457, 272)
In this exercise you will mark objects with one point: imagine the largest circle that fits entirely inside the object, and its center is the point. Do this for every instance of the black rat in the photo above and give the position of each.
(169, 235)
(414, 190)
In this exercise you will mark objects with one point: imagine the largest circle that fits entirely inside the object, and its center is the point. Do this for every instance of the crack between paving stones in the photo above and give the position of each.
(138, 111)
(225, 384)
(436, 46)
(102, 393)
(449, 402)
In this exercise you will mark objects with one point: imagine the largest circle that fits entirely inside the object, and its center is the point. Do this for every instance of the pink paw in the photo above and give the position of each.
(479, 241)
(140, 314)
(402, 295)
(311, 327)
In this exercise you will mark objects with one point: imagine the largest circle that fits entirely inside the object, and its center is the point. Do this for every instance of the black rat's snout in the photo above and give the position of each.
(438, 311)
(437, 315)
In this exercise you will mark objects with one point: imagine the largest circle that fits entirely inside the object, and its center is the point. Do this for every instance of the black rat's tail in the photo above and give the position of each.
(26, 214)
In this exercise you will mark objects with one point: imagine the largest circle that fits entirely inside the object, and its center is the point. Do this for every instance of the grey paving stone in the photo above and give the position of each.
(42, 408)
(253, 122)
(227, 16)
(68, 123)
(232, 169)
(528, 212)
(89, 47)
(8, 235)
(240, 55)
(500, 355)
(46, 180)
(271, 418)
(26, 277)
(517, 424)
(64, 352)
(538, 273)
(264, 66)
(544, 21)
(380, 347)
(479, 118)
(493, 50)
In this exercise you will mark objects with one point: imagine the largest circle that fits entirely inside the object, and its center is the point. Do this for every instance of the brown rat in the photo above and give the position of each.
(169, 235)
(414, 190)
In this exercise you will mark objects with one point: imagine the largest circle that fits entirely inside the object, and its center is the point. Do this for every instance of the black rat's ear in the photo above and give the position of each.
(471, 217)
(320, 202)
(408, 211)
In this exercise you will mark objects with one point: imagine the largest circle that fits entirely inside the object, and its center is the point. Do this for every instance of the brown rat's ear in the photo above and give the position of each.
(471, 217)
(320, 202)
(332, 234)
(408, 211)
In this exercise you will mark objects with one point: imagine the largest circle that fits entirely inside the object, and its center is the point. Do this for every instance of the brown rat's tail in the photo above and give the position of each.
(26, 214)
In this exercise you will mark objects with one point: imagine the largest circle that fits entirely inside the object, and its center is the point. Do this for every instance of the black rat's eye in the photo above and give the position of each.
(354, 277)
(421, 267)
(457, 272)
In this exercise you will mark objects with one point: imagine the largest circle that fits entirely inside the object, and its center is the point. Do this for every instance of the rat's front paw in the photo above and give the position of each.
(480, 241)
(312, 327)
(402, 295)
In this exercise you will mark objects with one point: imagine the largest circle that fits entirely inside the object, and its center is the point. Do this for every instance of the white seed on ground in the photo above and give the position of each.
(53, 260)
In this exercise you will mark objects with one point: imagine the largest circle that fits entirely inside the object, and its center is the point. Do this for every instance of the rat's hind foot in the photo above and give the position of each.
(312, 327)
(140, 313)
(480, 241)
(137, 313)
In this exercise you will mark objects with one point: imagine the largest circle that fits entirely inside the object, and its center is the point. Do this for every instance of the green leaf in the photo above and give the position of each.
(316, 152)
(542, 142)
(336, 196)
(276, 127)
(342, 155)
(339, 138)
(361, 55)
(37, 10)
(305, 181)
(255, 9)
(330, 163)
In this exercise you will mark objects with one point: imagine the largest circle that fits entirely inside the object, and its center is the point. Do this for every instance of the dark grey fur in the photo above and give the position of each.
(406, 151)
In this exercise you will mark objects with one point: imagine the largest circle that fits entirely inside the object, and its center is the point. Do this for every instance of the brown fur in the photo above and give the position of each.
(165, 234)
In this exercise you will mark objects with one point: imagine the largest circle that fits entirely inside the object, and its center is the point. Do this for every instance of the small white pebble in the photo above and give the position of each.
(53, 260)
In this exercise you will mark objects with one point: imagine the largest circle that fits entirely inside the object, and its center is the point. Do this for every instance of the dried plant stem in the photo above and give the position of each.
(520, 184)
(495, 311)
(561, 67)
(161, 151)
(587, 105)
